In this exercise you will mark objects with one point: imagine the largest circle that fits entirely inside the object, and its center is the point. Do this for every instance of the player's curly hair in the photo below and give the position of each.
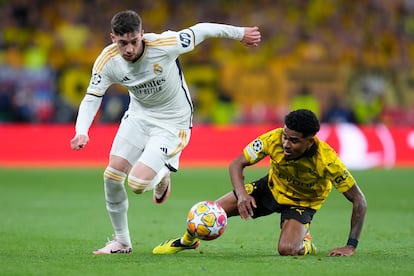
(126, 22)
(303, 121)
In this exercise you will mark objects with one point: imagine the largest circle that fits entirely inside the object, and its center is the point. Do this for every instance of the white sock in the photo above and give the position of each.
(117, 204)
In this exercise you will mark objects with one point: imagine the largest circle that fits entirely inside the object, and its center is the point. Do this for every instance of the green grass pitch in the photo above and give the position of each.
(52, 219)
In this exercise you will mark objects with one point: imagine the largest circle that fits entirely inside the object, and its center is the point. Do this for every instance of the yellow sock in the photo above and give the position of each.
(307, 243)
(307, 246)
(188, 239)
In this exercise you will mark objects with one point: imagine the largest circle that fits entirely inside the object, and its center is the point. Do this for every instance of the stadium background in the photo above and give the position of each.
(348, 61)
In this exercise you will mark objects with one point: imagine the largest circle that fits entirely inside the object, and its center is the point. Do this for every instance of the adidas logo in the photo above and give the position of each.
(125, 79)
(164, 150)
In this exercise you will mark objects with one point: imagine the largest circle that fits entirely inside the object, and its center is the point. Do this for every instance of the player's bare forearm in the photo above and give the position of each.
(252, 36)
(245, 202)
(359, 208)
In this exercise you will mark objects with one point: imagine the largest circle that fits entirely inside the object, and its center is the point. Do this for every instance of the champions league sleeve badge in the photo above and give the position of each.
(96, 79)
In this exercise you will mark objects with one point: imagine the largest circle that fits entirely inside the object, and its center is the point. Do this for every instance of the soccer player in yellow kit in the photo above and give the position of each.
(157, 125)
(302, 172)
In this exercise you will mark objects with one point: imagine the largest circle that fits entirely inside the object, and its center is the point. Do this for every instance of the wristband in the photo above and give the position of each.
(352, 242)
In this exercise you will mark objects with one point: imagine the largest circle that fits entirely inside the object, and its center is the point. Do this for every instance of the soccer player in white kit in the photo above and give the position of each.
(157, 125)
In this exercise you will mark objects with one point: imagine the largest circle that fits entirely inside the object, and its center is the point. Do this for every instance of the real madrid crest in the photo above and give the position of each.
(157, 69)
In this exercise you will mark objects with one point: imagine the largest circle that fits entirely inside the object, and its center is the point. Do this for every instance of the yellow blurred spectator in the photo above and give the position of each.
(306, 100)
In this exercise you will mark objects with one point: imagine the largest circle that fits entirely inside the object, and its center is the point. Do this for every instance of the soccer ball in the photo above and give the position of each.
(206, 220)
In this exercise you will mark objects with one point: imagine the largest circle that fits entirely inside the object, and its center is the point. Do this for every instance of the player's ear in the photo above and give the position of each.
(311, 140)
(112, 37)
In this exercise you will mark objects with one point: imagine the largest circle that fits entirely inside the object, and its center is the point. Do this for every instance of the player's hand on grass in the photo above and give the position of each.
(342, 251)
(79, 141)
(252, 36)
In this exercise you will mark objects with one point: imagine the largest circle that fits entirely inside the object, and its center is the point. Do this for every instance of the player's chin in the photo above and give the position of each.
(128, 58)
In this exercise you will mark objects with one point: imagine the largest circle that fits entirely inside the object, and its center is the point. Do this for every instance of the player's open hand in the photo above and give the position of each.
(245, 205)
(342, 251)
(79, 141)
(252, 36)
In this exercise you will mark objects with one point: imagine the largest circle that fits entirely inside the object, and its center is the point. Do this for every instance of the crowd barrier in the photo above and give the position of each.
(360, 147)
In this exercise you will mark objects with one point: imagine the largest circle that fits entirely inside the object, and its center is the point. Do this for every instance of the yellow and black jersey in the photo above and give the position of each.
(306, 181)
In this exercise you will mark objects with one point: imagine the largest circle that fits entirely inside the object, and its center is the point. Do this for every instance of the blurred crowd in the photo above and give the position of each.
(349, 61)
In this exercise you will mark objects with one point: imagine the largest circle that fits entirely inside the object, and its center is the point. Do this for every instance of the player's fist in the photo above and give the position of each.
(251, 37)
(79, 141)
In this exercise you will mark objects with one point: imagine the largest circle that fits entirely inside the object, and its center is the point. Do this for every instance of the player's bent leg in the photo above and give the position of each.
(162, 189)
(138, 185)
(187, 241)
(161, 184)
(143, 178)
(291, 241)
(229, 203)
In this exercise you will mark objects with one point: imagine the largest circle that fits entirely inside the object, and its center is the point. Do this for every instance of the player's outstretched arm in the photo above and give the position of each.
(251, 37)
(359, 204)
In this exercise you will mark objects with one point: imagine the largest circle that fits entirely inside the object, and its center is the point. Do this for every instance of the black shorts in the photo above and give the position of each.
(266, 203)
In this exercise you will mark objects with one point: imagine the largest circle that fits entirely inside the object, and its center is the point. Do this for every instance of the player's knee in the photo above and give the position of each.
(288, 249)
(138, 185)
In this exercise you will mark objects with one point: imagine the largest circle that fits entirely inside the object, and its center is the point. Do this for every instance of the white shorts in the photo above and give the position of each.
(155, 146)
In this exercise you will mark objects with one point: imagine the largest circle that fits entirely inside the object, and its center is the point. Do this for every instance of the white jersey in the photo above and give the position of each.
(157, 88)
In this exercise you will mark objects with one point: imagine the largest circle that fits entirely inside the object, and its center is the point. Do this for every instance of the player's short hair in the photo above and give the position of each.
(303, 121)
(126, 22)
